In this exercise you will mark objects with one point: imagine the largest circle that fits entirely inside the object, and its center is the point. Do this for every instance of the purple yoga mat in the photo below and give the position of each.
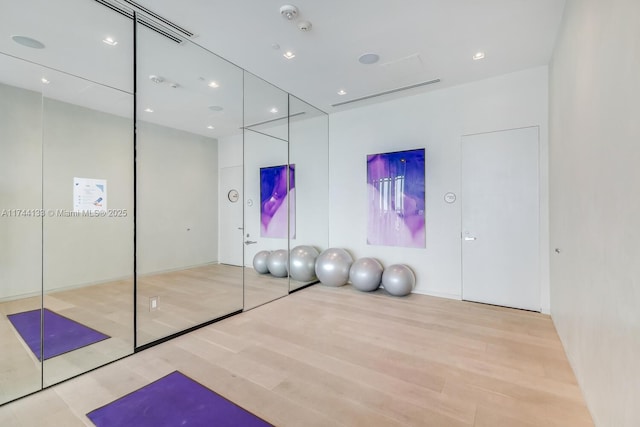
(174, 400)
(61, 334)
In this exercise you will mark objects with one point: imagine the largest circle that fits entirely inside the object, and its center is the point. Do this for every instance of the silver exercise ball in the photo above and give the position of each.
(260, 262)
(332, 267)
(398, 280)
(277, 263)
(365, 274)
(302, 263)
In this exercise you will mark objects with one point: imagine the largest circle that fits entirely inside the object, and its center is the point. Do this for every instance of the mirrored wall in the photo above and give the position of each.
(66, 192)
(186, 99)
(140, 175)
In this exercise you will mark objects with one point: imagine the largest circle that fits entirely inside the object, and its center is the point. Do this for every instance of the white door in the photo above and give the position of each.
(231, 232)
(500, 218)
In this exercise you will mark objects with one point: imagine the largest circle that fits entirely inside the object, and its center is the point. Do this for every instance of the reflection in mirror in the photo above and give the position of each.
(88, 227)
(59, 127)
(20, 234)
(309, 151)
(269, 193)
(266, 108)
(187, 98)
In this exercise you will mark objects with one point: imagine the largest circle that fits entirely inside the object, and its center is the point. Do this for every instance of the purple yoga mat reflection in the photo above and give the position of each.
(174, 400)
(396, 197)
(61, 334)
(273, 202)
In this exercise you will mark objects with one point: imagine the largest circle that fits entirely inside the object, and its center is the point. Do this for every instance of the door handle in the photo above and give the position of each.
(469, 238)
(250, 242)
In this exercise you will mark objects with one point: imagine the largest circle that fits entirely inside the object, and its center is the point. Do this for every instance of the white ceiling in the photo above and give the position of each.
(417, 40)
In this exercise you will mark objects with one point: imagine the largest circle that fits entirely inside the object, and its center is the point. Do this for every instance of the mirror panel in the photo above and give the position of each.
(87, 144)
(309, 152)
(187, 98)
(20, 225)
(224, 158)
(268, 201)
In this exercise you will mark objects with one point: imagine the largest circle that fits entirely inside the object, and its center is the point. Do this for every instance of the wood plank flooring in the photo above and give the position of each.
(187, 298)
(338, 357)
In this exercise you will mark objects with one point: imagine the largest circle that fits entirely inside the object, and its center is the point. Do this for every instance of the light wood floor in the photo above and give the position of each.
(337, 357)
(187, 298)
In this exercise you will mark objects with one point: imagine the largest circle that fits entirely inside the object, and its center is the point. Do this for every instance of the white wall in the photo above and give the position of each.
(307, 149)
(595, 202)
(177, 224)
(435, 120)
(46, 143)
(20, 188)
(84, 143)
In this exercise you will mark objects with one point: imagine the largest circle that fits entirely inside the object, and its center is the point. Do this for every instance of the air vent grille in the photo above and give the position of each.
(165, 21)
(375, 95)
(158, 29)
(147, 18)
(115, 7)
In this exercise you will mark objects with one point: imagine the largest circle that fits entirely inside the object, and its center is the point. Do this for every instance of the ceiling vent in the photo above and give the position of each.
(174, 26)
(375, 95)
(149, 19)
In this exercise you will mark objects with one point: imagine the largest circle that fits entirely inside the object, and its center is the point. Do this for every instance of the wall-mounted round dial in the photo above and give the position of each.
(233, 196)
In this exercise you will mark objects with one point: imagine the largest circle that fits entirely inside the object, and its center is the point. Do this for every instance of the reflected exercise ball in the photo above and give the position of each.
(260, 262)
(365, 274)
(398, 280)
(332, 267)
(277, 263)
(302, 263)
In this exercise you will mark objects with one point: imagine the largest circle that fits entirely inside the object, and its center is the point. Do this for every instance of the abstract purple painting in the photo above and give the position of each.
(273, 202)
(395, 184)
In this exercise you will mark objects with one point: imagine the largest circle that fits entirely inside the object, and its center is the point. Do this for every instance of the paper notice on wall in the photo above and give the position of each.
(89, 194)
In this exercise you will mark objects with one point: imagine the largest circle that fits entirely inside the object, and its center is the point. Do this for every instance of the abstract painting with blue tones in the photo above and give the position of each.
(396, 197)
(274, 197)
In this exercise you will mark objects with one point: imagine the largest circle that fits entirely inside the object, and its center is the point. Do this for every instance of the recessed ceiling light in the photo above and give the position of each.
(148, 110)
(342, 92)
(369, 58)
(28, 42)
(289, 55)
(273, 110)
(215, 108)
(213, 84)
(210, 127)
(110, 41)
(45, 81)
(478, 55)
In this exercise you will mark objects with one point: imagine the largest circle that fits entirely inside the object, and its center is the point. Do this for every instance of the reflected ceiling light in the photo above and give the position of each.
(289, 55)
(110, 41)
(369, 58)
(210, 127)
(156, 79)
(213, 84)
(28, 42)
(273, 110)
(148, 110)
(342, 92)
(45, 81)
(478, 55)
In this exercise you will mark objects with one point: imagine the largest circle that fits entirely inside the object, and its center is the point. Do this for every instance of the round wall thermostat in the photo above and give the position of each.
(450, 197)
(233, 196)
